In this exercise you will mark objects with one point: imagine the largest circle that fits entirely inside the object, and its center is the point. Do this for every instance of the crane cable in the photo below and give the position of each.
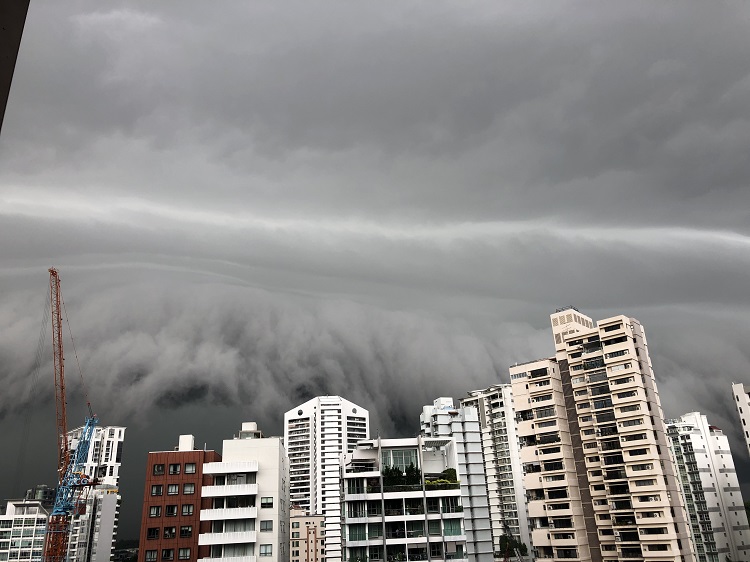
(75, 352)
(32, 392)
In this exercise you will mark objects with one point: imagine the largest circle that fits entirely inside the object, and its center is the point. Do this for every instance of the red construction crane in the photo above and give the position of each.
(70, 476)
(55, 299)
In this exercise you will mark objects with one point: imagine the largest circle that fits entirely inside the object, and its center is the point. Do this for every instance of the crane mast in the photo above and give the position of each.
(70, 464)
(63, 450)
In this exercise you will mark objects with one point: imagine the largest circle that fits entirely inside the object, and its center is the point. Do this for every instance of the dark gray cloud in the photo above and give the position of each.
(257, 204)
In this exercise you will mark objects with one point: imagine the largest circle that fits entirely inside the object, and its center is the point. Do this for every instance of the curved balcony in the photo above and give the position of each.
(229, 490)
(229, 513)
(241, 537)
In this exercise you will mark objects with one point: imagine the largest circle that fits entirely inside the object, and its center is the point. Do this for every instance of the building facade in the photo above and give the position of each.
(713, 498)
(443, 419)
(22, 530)
(307, 537)
(317, 434)
(170, 520)
(502, 464)
(556, 488)
(105, 453)
(248, 501)
(402, 503)
(93, 531)
(607, 490)
(741, 393)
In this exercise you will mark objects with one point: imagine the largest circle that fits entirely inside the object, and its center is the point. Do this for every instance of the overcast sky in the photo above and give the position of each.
(253, 203)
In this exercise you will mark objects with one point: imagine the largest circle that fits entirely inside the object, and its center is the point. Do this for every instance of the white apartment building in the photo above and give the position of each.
(442, 419)
(317, 434)
(502, 463)
(718, 521)
(93, 532)
(599, 397)
(249, 500)
(22, 530)
(741, 394)
(402, 503)
(105, 453)
(307, 537)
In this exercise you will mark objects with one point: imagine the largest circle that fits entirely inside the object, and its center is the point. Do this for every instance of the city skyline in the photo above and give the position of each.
(253, 206)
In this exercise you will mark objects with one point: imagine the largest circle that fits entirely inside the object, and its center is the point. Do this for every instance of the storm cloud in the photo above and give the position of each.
(256, 204)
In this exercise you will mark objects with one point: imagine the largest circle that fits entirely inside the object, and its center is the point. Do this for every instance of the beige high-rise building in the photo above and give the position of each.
(599, 478)
(307, 536)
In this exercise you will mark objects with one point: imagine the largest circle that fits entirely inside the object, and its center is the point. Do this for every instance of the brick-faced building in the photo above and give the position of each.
(170, 522)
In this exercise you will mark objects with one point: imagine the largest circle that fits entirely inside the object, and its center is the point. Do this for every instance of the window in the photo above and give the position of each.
(158, 471)
(189, 468)
(173, 489)
(358, 532)
(174, 468)
(603, 403)
(295, 534)
(186, 531)
(620, 367)
(295, 524)
(266, 502)
(170, 532)
(433, 505)
(154, 511)
(167, 554)
(187, 509)
(188, 489)
(184, 554)
(399, 458)
(170, 511)
(157, 489)
(544, 412)
(374, 530)
(613, 341)
(451, 527)
(266, 525)
(152, 533)
(433, 527)
(150, 556)
(266, 550)
(638, 452)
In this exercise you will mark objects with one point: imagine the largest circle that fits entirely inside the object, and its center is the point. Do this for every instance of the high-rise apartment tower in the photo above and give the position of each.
(317, 434)
(713, 498)
(442, 419)
(502, 463)
(599, 477)
(741, 393)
